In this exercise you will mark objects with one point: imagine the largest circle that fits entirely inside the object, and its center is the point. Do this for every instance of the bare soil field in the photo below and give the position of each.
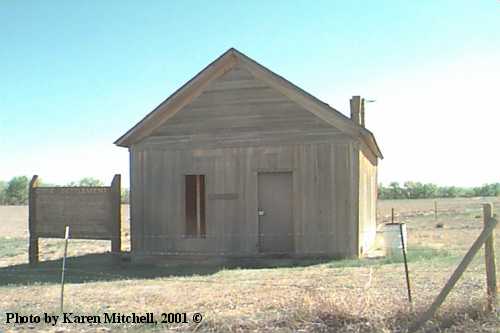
(367, 295)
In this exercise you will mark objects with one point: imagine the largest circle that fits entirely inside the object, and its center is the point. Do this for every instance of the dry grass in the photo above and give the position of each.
(347, 296)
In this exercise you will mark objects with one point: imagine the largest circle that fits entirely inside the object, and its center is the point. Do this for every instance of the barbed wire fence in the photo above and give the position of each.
(72, 270)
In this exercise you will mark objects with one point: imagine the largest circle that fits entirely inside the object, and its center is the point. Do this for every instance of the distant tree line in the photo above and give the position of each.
(417, 190)
(15, 191)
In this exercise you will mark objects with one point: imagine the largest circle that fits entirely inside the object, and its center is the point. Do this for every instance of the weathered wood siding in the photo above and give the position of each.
(89, 211)
(367, 199)
(236, 128)
(239, 110)
(323, 198)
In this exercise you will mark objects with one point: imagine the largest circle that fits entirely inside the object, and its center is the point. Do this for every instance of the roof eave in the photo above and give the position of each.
(224, 62)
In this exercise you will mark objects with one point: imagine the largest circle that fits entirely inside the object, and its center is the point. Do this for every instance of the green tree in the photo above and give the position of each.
(3, 187)
(87, 181)
(395, 191)
(429, 190)
(487, 190)
(16, 192)
(412, 190)
(383, 192)
(125, 196)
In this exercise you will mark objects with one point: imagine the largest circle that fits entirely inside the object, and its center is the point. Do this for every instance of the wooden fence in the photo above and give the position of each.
(90, 212)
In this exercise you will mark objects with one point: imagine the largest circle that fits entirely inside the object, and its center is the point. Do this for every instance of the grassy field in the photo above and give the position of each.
(366, 295)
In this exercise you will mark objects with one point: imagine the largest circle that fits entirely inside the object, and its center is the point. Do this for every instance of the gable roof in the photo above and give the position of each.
(232, 57)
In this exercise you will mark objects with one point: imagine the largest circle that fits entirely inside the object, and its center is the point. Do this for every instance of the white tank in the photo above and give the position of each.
(391, 236)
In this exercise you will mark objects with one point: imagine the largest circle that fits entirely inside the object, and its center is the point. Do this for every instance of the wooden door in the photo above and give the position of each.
(275, 212)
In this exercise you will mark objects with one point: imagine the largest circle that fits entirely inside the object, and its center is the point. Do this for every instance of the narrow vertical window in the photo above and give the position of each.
(195, 206)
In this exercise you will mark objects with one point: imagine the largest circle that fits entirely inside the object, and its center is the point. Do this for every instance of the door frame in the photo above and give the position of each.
(256, 173)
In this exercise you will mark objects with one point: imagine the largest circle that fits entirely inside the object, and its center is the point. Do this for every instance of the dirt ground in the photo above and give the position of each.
(333, 296)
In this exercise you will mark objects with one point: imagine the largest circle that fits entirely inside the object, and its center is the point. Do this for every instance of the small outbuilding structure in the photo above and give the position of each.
(241, 162)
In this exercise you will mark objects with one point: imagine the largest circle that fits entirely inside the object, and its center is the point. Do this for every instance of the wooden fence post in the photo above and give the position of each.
(435, 210)
(116, 243)
(489, 256)
(485, 234)
(33, 237)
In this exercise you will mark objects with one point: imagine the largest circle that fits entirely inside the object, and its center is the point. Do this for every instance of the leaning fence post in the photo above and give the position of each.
(489, 256)
(116, 200)
(33, 238)
(476, 246)
(407, 273)
(66, 238)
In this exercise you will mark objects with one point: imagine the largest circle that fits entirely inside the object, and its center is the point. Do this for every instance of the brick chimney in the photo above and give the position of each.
(358, 110)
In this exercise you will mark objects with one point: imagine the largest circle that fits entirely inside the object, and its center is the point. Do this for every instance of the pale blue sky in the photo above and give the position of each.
(74, 76)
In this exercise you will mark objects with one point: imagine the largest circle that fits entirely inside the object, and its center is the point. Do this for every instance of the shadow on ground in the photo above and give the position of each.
(103, 267)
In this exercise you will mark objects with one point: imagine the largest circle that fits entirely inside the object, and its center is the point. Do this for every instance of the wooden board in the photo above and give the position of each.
(239, 109)
(367, 202)
(87, 210)
(323, 188)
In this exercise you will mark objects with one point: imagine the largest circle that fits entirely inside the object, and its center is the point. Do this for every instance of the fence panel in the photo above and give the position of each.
(91, 213)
